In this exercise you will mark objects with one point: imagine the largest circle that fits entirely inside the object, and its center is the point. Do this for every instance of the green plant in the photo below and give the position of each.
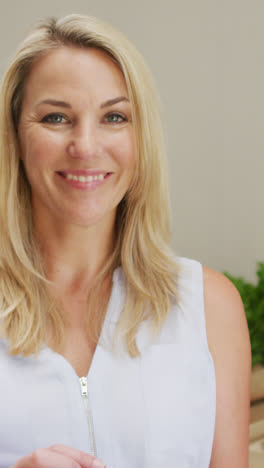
(253, 298)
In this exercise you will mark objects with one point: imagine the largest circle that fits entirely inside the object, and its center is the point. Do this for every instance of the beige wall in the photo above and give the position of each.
(208, 61)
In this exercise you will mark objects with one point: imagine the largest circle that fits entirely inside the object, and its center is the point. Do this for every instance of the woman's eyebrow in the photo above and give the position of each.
(54, 102)
(111, 102)
(108, 103)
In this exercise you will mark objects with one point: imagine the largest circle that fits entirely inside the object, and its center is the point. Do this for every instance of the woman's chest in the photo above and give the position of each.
(160, 408)
(150, 411)
(79, 351)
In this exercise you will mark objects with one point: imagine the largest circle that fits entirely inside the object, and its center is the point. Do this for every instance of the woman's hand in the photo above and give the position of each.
(58, 456)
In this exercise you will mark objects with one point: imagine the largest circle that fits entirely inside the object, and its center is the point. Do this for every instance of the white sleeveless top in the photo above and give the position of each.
(153, 411)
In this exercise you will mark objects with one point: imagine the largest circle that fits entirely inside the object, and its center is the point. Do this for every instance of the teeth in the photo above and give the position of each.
(82, 178)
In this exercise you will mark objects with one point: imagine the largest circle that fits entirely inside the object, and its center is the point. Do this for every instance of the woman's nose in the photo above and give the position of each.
(84, 143)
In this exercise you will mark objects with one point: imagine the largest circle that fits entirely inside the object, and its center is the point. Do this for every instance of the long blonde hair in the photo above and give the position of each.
(142, 224)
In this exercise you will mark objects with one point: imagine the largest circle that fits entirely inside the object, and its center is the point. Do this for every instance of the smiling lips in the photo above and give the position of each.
(82, 178)
(87, 178)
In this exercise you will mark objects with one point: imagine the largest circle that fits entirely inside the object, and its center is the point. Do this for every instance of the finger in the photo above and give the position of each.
(82, 458)
(24, 462)
(45, 458)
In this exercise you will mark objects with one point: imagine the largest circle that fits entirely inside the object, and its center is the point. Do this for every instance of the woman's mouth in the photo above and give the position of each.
(84, 179)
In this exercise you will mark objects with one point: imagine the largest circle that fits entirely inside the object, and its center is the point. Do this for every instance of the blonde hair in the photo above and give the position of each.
(142, 225)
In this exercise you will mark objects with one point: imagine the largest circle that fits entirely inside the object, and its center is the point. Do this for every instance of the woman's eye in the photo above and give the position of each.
(54, 118)
(116, 118)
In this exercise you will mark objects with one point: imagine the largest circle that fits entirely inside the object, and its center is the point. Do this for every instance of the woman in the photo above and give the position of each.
(112, 349)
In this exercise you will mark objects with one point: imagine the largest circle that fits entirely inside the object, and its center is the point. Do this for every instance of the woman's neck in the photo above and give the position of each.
(74, 255)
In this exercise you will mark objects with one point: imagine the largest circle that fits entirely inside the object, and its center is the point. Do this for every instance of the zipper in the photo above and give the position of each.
(85, 395)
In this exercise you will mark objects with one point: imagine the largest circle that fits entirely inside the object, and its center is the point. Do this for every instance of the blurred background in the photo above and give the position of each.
(207, 58)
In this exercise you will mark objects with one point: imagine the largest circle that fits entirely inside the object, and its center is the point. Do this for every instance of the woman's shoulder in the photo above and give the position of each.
(224, 310)
(222, 300)
(220, 295)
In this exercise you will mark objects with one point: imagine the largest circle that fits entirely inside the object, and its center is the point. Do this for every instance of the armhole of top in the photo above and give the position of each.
(203, 318)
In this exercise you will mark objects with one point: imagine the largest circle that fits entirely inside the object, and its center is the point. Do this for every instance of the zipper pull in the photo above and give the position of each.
(84, 389)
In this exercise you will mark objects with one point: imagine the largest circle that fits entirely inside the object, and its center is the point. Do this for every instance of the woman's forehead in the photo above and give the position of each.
(77, 69)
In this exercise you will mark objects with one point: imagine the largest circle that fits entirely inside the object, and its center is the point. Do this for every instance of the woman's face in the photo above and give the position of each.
(76, 137)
